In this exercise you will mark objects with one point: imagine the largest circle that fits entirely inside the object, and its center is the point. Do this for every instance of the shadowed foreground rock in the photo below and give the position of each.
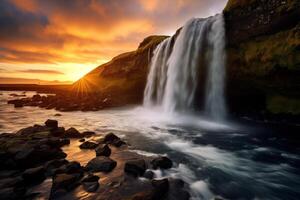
(33, 155)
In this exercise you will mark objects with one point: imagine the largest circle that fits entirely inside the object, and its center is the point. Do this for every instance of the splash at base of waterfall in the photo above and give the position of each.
(174, 74)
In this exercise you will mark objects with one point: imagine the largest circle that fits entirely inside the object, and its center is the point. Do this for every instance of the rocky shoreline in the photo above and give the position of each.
(35, 155)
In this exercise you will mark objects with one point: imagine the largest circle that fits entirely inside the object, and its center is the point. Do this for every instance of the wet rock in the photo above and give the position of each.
(88, 133)
(52, 166)
(73, 133)
(161, 162)
(103, 151)
(90, 183)
(135, 167)
(118, 143)
(90, 186)
(101, 164)
(10, 193)
(34, 175)
(36, 97)
(88, 145)
(58, 115)
(53, 124)
(82, 140)
(161, 187)
(149, 175)
(113, 139)
(63, 182)
(70, 168)
(56, 142)
(59, 132)
(90, 178)
(11, 182)
(110, 138)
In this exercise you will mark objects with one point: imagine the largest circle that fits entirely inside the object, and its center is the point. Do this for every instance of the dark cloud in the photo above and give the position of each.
(41, 71)
(61, 32)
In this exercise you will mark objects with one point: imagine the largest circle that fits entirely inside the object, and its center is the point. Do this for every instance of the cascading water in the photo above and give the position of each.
(174, 73)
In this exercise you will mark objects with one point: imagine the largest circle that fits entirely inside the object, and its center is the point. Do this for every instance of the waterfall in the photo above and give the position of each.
(173, 78)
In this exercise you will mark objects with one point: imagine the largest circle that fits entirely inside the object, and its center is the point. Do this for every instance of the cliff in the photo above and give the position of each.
(263, 50)
(124, 77)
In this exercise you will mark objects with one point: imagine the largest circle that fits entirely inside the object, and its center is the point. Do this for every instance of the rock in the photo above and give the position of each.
(101, 164)
(90, 183)
(135, 167)
(53, 124)
(11, 182)
(64, 181)
(90, 186)
(161, 162)
(53, 165)
(113, 139)
(118, 143)
(34, 175)
(88, 145)
(70, 168)
(149, 175)
(161, 187)
(110, 138)
(36, 97)
(58, 115)
(90, 178)
(59, 132)
(103, 151)
(73, 133)
(88, 133)
(10, 193)
(82, 140)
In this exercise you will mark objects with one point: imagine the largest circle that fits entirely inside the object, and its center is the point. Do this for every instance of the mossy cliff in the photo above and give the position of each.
(263, 55)
(123, 79)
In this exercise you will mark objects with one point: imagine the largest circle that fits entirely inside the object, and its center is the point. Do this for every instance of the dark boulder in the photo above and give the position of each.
(59, 132)
(103, 150)
(161, 188)
(110, 138)
(88, 145)
(82, 140)
(52, 166)
(64, 182)
(101, 164)
(53, 124)
(11, 182)
(118, 143)
(161, 162)
(11, 193)
(90, 183)
(88, 133)
(73, 133)
(34, 175)
(149, 175)
(135, 167)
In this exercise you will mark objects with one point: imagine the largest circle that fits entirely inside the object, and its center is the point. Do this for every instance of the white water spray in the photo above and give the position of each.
(174, 73)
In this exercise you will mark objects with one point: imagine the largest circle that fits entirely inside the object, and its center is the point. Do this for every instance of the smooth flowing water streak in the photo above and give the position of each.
(215, 100)
(175, 68)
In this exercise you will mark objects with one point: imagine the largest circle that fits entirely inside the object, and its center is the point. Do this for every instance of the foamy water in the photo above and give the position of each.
(215, 159)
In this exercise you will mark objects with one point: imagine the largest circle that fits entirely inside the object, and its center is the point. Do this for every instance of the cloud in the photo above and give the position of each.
(41, 71)
(88, 31)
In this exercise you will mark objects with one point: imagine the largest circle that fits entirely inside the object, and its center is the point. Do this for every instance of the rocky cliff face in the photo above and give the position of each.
(263, 55)
(123, 79)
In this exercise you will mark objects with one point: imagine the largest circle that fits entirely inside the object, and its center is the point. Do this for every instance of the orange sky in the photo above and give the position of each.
(63, 40)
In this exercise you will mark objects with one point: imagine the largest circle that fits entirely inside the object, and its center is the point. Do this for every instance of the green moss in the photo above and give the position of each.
(263, 54)
(283, 105)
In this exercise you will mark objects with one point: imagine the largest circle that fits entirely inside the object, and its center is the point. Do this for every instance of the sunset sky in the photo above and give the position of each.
(64, 39)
